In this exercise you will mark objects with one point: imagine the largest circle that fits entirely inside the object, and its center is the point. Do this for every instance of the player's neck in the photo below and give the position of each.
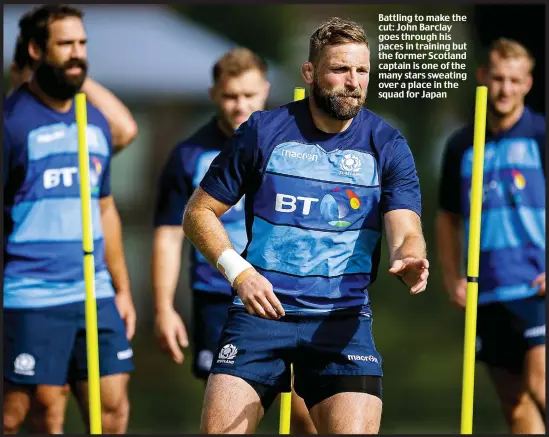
(57, 105)
(224, 127)
(499, 124)
(326, 123)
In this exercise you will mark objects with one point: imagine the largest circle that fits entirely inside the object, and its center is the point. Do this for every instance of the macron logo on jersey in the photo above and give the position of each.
(300, 155)
(48, 138)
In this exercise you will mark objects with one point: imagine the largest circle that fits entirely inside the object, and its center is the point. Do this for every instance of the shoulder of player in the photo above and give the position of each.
(460, 140)
(188, 150)
(16, 115)
(18, 100)
(185, 155)
(266, 123)
(272, 117)
(206, 137)
(382, 133)
(538, 121)
(95, 115)
(97, 118)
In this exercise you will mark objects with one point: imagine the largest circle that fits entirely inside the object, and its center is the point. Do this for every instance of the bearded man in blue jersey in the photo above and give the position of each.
(240, 87)
(511, 312)
(44, 291)
(320, 177)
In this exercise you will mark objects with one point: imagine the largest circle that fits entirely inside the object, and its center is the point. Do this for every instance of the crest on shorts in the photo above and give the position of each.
(227, 354)
(24, 364)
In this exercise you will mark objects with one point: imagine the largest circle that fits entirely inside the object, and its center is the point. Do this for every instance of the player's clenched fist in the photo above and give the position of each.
(256, 292)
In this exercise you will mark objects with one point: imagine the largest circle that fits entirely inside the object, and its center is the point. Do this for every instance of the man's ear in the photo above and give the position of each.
(307, 72)
(528, 84)
(35, 52)
(266, 89)
(482, 74)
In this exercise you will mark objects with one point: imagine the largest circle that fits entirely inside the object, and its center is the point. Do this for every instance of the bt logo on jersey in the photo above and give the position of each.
(334, 207)
(54, 176)
(288, 203)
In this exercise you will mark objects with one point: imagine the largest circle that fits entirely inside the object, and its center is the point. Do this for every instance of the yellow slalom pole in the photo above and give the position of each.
(286, 398)
(299, 94)
(286, 408)
(89, 266)
(473, 262)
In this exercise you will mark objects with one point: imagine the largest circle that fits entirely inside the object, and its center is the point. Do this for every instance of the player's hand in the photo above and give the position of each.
(124, 303)
(540, 282)
(458, 294)
(413, 271)
(171, 333)
(258, 297)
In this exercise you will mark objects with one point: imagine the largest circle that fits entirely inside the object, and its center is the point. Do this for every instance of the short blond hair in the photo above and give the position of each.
(335, 31)
(238, 61)
(510, 49)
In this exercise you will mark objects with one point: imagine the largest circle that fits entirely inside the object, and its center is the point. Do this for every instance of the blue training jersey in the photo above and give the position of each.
(43, 255)
(314, 202)
(184, 169)
(512, 236)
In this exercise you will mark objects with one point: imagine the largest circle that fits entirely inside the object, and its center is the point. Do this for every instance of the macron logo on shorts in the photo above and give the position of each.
(125, 354)
(536, 331)
(370, 358)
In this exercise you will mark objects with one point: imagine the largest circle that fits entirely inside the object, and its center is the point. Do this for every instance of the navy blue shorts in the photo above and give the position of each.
(506, 330)
(210, 314)
(48, 345)
(262, 350)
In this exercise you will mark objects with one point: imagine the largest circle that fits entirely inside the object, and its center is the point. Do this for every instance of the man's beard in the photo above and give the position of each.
(53, 80)
(498, 114)
(331, 102)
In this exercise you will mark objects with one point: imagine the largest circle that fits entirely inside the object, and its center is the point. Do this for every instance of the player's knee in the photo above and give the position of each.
(48, 414)
(535, 378)
(49, 421)
(536, 387)
(518, 411)
(13, 421)
(115, 411)
(15, 408)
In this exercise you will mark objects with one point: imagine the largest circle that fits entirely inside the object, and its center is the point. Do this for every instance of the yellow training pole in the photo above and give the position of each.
(286, 408)
(299, 94)
(89, 266)
(286, 398)
(473, 262)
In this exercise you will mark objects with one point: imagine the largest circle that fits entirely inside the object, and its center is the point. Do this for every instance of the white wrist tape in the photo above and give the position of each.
(232, 264)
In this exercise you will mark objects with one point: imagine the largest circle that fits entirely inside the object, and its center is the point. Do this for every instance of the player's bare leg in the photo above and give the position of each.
(231, 406)
(48, 407)
(534, 368)
(300, 420)
(115, 405)
(17, 400)
(348, 413)
(520, 410)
